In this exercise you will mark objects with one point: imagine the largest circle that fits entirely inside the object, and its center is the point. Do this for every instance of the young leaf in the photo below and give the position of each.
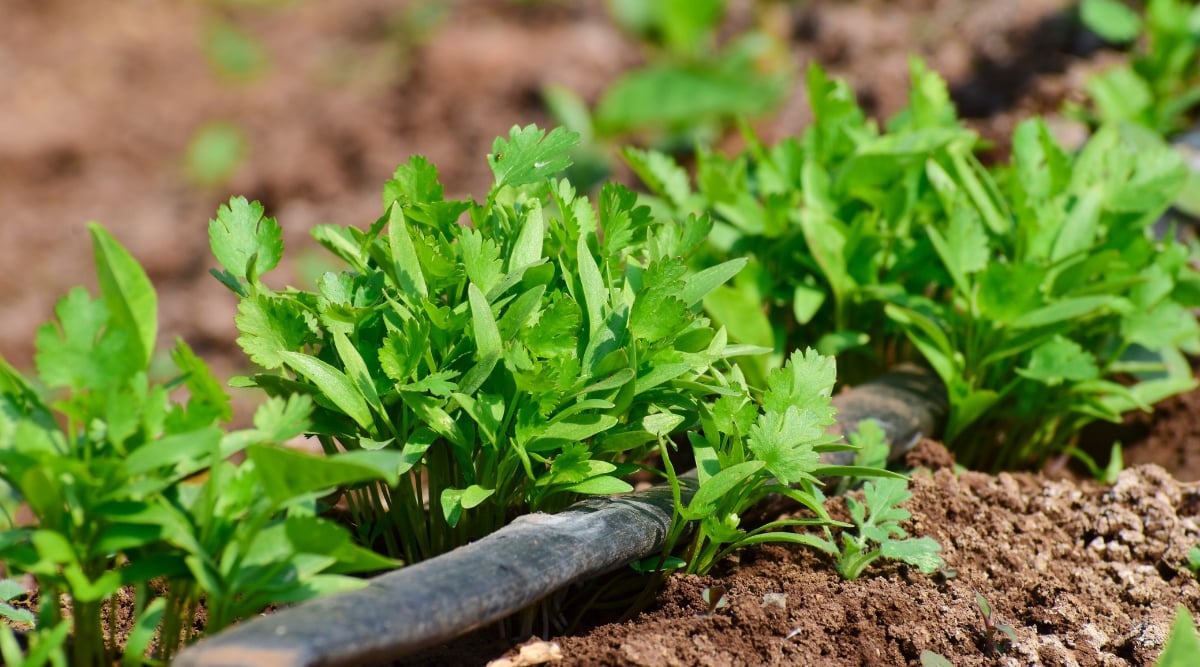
(404, 256)
(530, 155)
(241, 237)
(270, 325)
(79, 353)
(413, 183)
(1112, 20)
(1183, 645)
(128, 295)
(1060, 360)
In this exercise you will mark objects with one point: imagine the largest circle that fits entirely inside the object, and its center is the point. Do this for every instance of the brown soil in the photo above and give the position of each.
(100, 99)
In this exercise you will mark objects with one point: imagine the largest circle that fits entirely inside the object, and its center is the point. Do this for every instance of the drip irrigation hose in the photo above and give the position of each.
(436, 600)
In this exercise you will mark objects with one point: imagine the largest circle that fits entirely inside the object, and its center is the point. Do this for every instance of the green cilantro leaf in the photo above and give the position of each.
(658, 311)
(557, 330)
(279, 420)
(1060, 360)
(784, 442)
(413, 183)
(80, 353)
(245, 242)
(270, 325)
(530, 155)
(205, 395)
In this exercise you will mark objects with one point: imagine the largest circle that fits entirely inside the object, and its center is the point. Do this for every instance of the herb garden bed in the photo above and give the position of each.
(1079, 572)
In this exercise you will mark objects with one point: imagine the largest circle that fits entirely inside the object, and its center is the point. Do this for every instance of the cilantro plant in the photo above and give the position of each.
(689, 89)
(1160, 86)
(745, 451)
(131, 488)
(1029, 288)
(878, 533)
(514, 362)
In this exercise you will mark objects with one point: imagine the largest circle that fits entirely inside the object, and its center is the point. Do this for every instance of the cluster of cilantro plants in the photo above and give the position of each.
(132, 490)
(457, 375)
(541, 352)
(1036, 289)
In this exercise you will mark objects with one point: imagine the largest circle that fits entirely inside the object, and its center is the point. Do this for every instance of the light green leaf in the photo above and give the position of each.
(356, 370)
(1112, 20)
(287, 473)
(333, 384)
(1183, 645)
(270, 325)
(128, 295)
(698, 285)
(1061, 311)
(530, 155)
(710, 494)
(454, 501)
(1060, 360)
(921, 553)
(601, 485)
(242, 235)
(404, 256)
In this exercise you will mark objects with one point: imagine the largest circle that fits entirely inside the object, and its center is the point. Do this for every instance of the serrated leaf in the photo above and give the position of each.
(481, 260)
(660, 174)
(884, 496)
(1060, 360)
(920, 552)
(415, 182)
(241, 233)
(79, 353)
(269, 326)
(530, 155)
(658, 311)
(784, 442)
(557, 331)
(280, 420)
(204, 390)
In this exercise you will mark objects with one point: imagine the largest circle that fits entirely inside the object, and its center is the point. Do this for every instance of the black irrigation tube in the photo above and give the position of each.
(428, 603)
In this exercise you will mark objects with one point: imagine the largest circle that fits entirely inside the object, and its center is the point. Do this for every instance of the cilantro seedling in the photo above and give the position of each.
(932, 659)
(878, 533)
(746, 451)
(996, 636)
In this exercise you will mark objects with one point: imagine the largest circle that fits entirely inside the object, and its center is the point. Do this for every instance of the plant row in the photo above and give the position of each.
(474, 361)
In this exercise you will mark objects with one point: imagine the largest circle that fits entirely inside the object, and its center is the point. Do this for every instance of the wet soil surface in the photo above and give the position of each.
(99, 101)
